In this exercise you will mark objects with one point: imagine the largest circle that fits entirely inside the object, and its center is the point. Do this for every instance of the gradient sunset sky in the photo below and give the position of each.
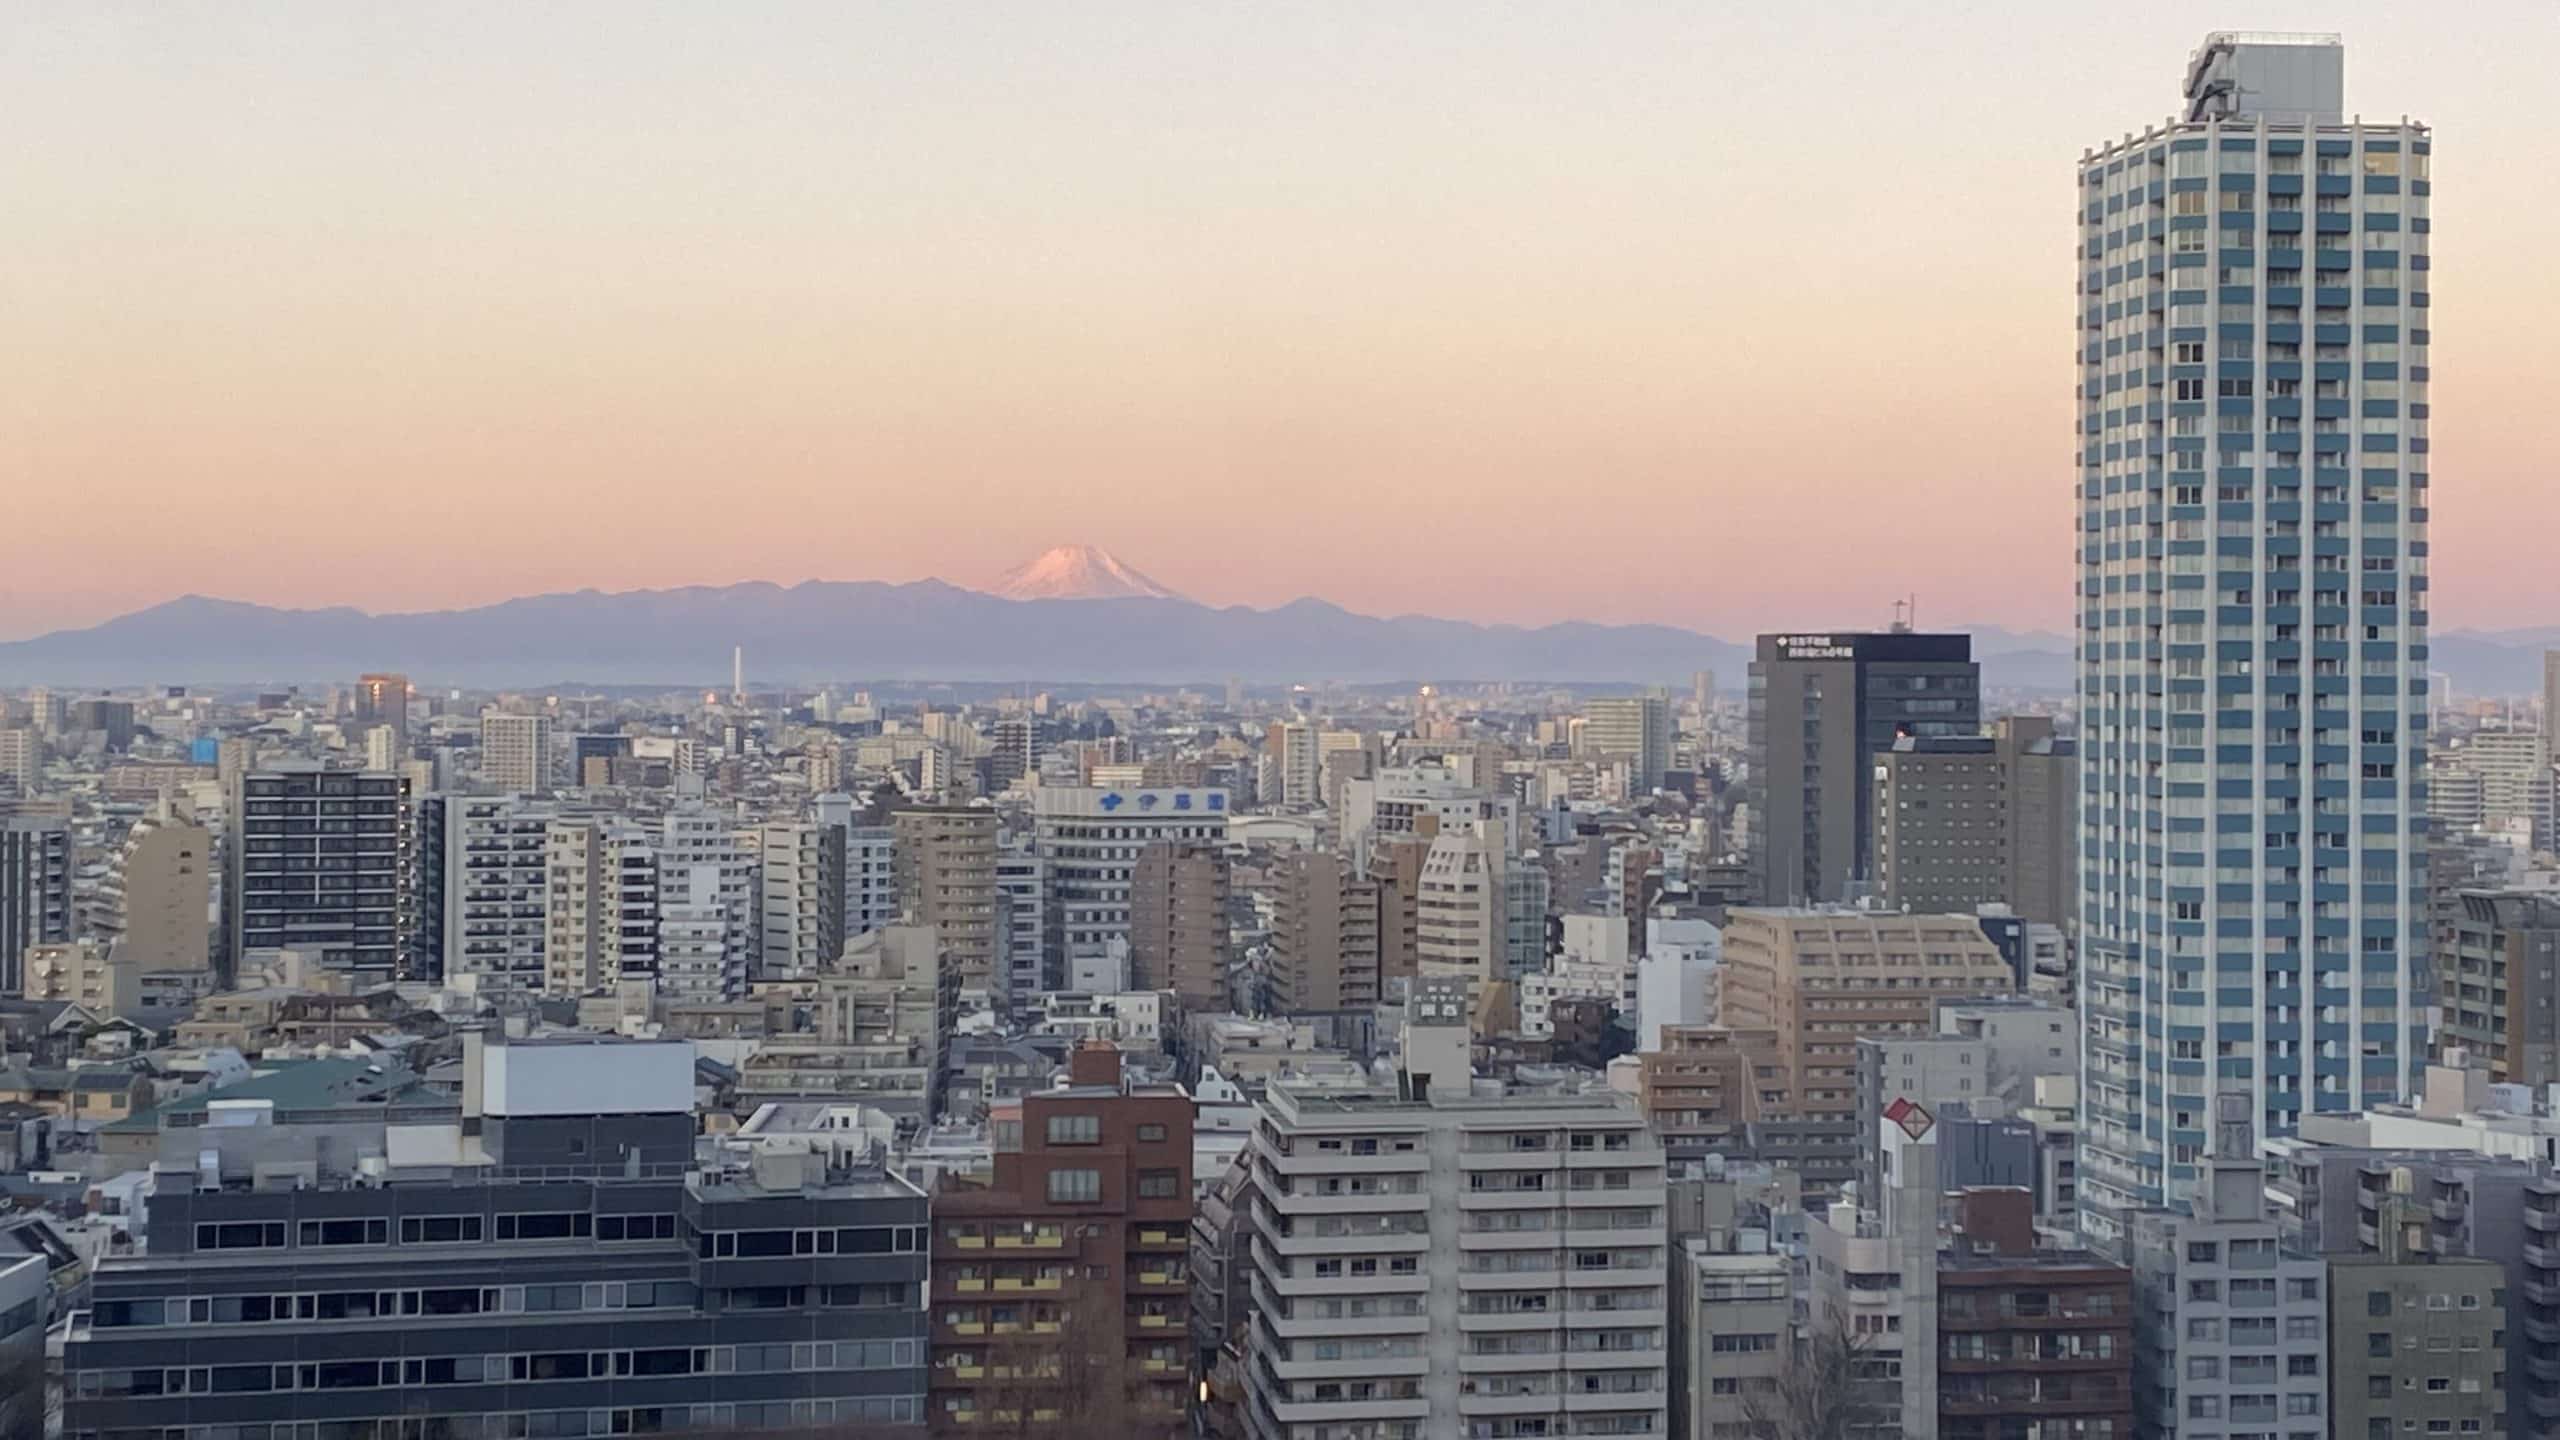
(1723, 315)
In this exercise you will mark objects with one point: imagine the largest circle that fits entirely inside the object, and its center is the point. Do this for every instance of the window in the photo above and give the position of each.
(443, 1229)
(2377, 1302)
(344, 1232)
(558, 1225)
(1075, 1187)
(250, 1236)
(1075, 1129)
(1151, 1134)
(1158, 1184)
(634, 1227)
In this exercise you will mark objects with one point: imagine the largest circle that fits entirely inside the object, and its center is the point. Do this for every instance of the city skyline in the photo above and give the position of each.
(442, 318)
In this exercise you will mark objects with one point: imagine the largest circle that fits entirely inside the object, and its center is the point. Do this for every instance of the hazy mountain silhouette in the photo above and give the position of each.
(926, 630)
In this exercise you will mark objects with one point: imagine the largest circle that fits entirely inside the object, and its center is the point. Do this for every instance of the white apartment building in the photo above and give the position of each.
(1462, 1267)
(695, 959)
(601, 904)
(802, 890)
(693, 835)
(1022, 884)
(1396, 801)
(1090, 836)
(497, 876)
(1479, 914)
(870, 878)
(21, 757)
(1296, 776)
(870, 866)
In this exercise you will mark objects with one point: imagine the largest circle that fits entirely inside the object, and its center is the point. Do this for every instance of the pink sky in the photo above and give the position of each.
(1608, 311)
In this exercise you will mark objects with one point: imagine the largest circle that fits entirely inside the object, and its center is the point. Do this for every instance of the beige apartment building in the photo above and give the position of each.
(515, 752)
(1324, 934)
(157, 897)
(96, 977)
(1822, 978)
(1701, 1090)
(946, 867)
(1178, 922)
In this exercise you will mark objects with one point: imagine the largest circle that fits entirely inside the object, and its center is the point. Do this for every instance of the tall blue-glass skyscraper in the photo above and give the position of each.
(2253, 624)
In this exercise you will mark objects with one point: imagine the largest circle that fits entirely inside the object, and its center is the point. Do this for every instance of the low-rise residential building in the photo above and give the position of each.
(2234, 1325)
(1437, 1263)
(2417, 1341)
(2030, 1340)
(553, 1261)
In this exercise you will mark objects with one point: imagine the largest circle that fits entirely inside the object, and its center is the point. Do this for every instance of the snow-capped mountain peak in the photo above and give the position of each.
(1078, 572)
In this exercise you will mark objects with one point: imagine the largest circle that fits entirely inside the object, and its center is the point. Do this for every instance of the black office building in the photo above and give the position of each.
(570, 1275)
(320, 863)
(35, 890)
(1821, 708)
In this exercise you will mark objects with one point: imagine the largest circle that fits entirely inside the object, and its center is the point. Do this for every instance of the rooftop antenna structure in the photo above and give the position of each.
(1906, 614)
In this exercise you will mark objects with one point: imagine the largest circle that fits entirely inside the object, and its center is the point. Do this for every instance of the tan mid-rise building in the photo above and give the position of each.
(157, 897)
(1178, 922)
(1700, 1092)
(1823, 978)
(1324, 934)
(515, 752)
(98, 978)
(946, 868)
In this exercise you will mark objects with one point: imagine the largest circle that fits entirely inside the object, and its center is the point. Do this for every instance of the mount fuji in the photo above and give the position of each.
(1078, 572)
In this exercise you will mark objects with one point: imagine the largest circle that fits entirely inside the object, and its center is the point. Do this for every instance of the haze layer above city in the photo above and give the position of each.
(1723, 318)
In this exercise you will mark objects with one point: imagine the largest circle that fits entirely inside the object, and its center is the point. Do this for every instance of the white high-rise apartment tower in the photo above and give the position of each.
(2252, 630)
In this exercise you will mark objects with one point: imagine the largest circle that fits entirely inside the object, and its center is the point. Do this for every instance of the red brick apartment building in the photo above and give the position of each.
(1060, 1290)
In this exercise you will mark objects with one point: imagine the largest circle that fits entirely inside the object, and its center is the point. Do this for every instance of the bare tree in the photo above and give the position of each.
(1824, 1394)
(1066, 1375)
(24, 1398)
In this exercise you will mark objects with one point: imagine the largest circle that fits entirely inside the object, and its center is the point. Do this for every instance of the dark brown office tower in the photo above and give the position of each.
(1395, 862)
(1968, 820)
(1324, 934)
(2030, 1342)
(1178, 923)
(945, 860)
(1061, 1291)
(36, 860)
(1821, 708)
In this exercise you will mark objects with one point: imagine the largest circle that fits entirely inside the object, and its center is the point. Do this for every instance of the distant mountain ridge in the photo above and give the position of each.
(922, 630)
(931, 630)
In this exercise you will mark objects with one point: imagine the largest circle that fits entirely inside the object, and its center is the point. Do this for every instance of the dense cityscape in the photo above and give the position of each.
(1855, 1042)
